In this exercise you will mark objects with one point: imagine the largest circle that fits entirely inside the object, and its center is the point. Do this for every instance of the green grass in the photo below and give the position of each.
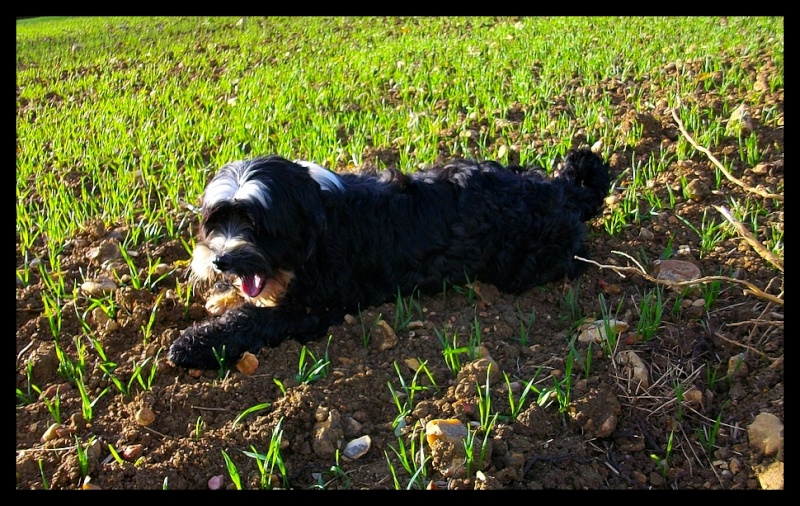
(309, 367)
(405, 396)
(240, 416)
(413, 458)
(651, 310)
(233, 471)
(272, 461)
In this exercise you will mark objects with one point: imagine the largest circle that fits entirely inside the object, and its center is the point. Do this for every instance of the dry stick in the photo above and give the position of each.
(751, 288)
(745, 346)
(760, 249)
(721, 167)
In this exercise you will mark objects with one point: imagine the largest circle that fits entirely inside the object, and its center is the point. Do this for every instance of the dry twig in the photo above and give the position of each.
(760, 249)
(751, 288)
(719, 165)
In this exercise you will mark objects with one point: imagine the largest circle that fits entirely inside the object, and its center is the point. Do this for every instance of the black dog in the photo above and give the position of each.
(308, 245)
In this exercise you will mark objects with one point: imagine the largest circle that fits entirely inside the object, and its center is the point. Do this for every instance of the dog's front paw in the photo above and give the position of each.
(205, 346)
(193, 350)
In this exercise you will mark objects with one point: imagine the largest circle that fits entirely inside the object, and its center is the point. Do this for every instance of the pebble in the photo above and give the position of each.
(771, 478)
(596, 331)
(248, 364)
(450, 429)
(51, 432)
(634, 367)
(696, 189)
(98, 286)
(357, 448)
(765, 433)
(145, 416)
(737, 367)
(132, 452)
(676, 270)
(216, 482)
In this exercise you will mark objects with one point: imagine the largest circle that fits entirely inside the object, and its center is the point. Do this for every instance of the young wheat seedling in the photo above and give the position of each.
(309, 371)
(232, 471)
(268, 462)
(516, 405)
(251, 409)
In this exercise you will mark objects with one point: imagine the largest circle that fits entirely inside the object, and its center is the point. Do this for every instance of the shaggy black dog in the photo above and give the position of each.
(307, 245)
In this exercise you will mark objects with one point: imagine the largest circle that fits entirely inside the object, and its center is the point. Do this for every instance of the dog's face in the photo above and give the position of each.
(260, 221)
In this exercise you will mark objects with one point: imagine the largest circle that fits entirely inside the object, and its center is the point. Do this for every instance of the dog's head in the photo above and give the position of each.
(260, 222)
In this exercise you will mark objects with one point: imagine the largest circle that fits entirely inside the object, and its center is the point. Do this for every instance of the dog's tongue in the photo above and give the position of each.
(252, 285)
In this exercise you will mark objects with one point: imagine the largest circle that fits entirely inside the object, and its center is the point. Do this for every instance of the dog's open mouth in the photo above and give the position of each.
(265, 291)
(252, 285)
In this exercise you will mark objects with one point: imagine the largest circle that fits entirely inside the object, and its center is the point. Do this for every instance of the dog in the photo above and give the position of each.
(306, 245)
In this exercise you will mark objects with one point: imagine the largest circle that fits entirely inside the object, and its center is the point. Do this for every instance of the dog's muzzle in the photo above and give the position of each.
(222, 262)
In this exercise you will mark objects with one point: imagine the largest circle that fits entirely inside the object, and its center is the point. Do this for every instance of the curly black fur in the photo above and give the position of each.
(349, 241)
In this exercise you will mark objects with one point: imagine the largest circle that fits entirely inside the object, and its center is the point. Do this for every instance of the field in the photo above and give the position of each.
(120, 123)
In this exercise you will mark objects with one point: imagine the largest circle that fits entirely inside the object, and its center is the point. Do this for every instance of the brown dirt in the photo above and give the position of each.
(606, 437)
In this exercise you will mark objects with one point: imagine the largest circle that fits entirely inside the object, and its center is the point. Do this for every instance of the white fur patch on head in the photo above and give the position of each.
(326, 179)
(233, 183)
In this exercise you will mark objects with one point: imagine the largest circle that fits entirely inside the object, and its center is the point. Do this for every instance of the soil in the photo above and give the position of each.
(712, 367)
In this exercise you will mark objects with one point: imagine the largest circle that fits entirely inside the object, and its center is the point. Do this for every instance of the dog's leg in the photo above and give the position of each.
(246, 328)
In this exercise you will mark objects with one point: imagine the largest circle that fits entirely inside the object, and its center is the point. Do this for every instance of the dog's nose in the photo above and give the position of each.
(222, 262)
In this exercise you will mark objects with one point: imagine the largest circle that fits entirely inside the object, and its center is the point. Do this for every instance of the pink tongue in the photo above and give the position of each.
(251, 285)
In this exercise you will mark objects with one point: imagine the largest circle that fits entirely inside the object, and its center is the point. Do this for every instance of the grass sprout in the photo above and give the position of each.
(311, 368)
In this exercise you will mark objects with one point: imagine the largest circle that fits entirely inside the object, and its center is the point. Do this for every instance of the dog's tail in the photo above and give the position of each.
(591, 181)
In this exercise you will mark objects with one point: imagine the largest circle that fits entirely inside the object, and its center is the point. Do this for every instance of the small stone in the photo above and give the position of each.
(161, 269)
(696, 189)
(216, 482)
(771, 477)
(412, 363)
(357, 448)
(145, 417)
(737, 367)
(502, 151)
(676, 270)
(596, 331)
(107, 251)
(51, 432)
(385, 336)
(248, 364)
(450, 429)
(739, 121)
(765, 433)
(99, 316)
(98, 286)
(634, 368)
(350, 319)
(693, 397)
(132, 452)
